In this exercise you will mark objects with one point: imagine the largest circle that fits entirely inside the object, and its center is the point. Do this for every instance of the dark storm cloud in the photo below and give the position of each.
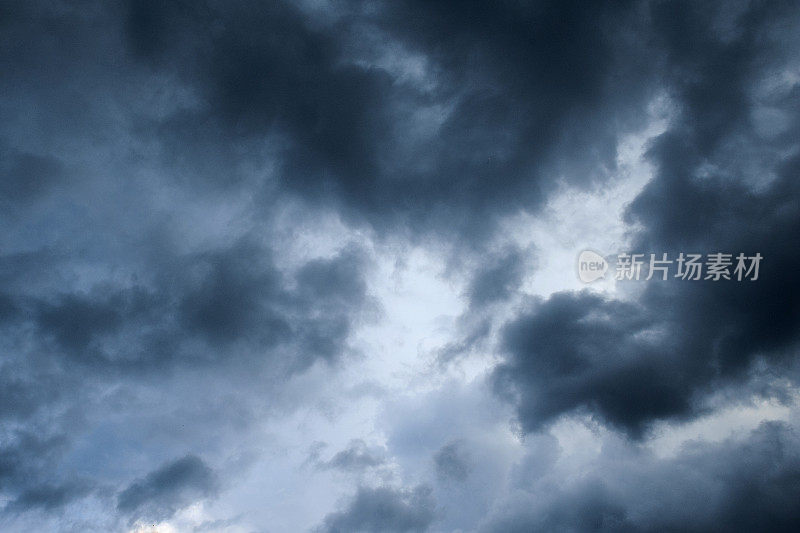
(429, 119)
(532, 91)
(158, 495)
(656, 358)
(261, 70)
(732, 486)
(384, 510)
(535, 88)
(661, 355)
(529, 89)
(579, 351)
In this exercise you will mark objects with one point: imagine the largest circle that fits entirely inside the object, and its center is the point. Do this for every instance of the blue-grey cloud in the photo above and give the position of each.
(384, 510)
(357, 457)
(49, 497)
(658, 357)
(156, 158)
(729, 486)
(174, 485)
(452, 462)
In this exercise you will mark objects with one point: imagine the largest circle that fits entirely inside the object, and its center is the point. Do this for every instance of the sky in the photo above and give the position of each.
(312, 266)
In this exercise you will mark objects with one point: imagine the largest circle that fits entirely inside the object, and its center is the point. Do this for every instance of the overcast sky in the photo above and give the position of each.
(311, 266)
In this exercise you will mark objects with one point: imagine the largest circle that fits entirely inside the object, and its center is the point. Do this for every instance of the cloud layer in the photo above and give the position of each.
(272, 266)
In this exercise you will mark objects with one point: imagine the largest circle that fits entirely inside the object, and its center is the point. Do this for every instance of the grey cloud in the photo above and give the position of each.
(172, 486)
(218, 309)
(734, 485)
(223, 309)
(22, 394)
(8, 309)
(229, 294)
(219, 297)
(498, 278)
(26, 176)
(29, 476)
(491, 278)
(589, 508)
(23, 457)
(75, 320)
(49, 497)
(384, 510)
(357, 457)
(452, 461)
